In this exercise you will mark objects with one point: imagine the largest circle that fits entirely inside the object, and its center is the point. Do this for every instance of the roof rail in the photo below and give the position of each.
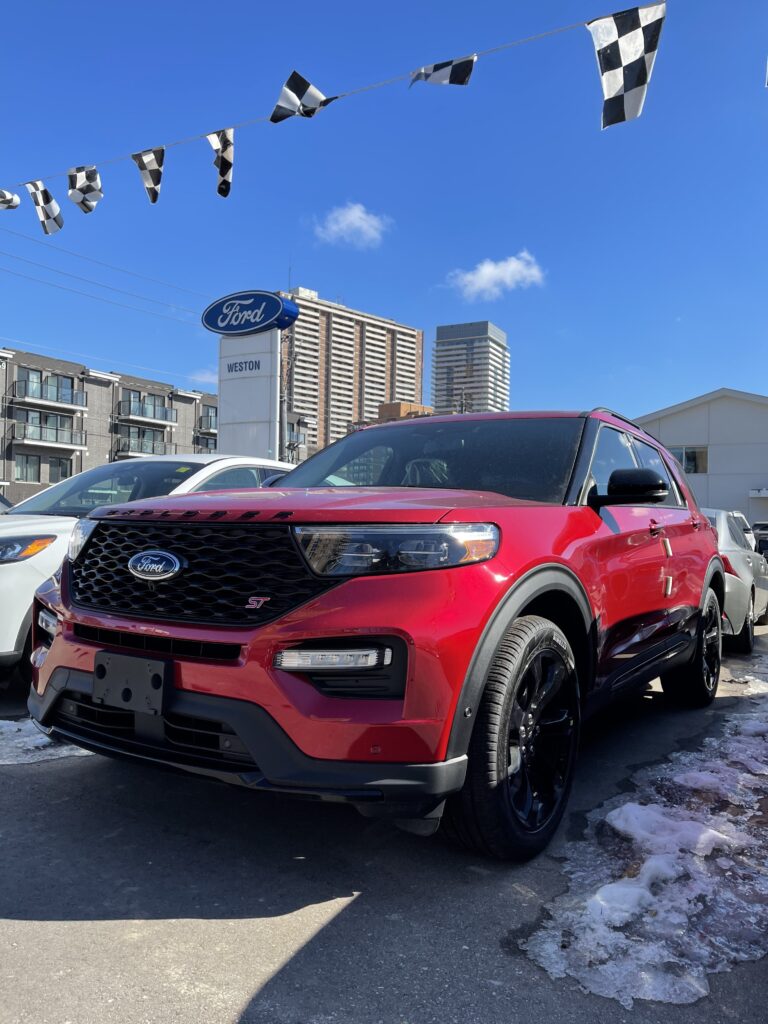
(618, 415)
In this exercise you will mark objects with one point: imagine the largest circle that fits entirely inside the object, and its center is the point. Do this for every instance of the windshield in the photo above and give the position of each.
(108, 485)
(521, 458)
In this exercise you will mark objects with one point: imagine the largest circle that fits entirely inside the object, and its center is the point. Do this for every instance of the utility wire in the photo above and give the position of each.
(341, 95)
(94, 359)
(99, 298)
(101, 263)
(98, 284)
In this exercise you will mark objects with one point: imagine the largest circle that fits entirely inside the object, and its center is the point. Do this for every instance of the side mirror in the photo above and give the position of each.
(273, 479)
(632, 487)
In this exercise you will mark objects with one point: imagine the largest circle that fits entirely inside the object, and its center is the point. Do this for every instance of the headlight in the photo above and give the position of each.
(367, 550)
(17, 549)
(79, 537)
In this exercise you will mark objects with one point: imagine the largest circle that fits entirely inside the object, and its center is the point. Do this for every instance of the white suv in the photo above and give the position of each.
(35, 533)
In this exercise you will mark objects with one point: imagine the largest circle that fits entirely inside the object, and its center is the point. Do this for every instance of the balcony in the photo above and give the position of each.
(30, 392)
(133, 447)
(145, 412)
(48, 437)
(208, 425)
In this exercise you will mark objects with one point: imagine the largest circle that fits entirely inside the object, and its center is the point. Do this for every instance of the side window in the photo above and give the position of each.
(232, 479)
(612, 451)
(650, 458)
(737, 534)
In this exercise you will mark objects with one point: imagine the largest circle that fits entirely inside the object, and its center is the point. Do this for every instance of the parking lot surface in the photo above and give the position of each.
(133, 895)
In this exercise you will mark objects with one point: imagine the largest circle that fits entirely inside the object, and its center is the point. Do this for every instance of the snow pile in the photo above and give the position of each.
(671, 885)
(22, 743)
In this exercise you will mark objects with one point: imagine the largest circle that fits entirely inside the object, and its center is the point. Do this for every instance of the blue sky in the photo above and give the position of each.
(646, 280)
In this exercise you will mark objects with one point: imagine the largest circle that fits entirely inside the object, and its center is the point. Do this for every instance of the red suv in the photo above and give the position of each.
(415, 621)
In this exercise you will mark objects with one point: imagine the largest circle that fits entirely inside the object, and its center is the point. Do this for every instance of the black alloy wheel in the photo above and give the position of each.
(694, 685)
(542, 739)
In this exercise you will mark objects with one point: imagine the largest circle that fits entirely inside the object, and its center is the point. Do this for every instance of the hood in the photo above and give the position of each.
(23, 526)
(316, 505)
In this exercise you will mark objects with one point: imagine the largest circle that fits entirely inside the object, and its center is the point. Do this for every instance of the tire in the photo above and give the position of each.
(522, 753)
(695, 685)
(744, 643)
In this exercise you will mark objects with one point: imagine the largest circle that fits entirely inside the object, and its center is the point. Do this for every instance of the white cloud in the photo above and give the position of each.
(353, 225)
(490, 279)
(204, 377)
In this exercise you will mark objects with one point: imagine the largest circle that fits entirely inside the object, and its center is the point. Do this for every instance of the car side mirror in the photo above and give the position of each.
(273, 479)
(632, 487)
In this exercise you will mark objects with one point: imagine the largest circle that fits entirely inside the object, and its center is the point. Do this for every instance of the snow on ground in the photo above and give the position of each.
(22, 743)
(670, 883)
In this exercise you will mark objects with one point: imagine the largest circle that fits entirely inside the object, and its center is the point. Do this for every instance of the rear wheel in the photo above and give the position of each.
(695, 685)
(523, 748)
(745, 641)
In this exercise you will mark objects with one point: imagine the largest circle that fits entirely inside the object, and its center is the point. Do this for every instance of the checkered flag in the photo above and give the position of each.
(150, 164)
(8, 200)
(626, 45)
(85, 188)
(48, 210)
(223, 143)
(299, 99)
(449, 72)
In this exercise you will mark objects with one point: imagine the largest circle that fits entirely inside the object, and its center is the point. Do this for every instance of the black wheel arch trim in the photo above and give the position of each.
(544, 579)
(714, 568)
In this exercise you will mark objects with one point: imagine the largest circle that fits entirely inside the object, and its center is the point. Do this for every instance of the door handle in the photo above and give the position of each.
(656, 528)
(696, 523)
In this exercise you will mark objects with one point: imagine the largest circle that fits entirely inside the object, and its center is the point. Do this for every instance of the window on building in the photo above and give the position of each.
(693, 460)
(61, 387)
(59, 469)
(154, 402)
(206, 444)
(31, 382)
(28, 469)
(650, 458)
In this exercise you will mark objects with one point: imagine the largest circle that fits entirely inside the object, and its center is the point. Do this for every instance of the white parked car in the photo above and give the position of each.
(34, 534)
(746, 580)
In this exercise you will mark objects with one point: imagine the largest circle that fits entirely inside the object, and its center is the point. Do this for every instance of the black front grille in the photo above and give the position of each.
(168, 645)
(224, 566)
(175, 738)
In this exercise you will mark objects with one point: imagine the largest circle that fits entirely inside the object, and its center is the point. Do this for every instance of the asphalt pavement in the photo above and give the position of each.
(137, 896)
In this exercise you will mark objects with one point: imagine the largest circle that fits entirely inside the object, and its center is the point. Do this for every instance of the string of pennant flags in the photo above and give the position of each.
(625, 45)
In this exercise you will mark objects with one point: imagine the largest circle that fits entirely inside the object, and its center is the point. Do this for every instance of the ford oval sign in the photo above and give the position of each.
(154, 566)
(249, 313)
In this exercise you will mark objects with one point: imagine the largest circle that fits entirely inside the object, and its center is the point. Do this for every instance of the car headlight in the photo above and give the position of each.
(369, 550)
(18, 549)
(79, 537)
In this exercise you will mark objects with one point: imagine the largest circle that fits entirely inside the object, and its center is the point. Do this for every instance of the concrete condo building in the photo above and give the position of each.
(470, 370)
(721, 440)
(340, 365)
(58, 418)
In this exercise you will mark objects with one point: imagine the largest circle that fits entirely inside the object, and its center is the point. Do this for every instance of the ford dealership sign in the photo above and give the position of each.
(249, 313)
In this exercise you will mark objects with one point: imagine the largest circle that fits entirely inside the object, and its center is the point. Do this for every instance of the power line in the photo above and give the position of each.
(98, 298)
(101, 263)
(89, 280)
(94, 359)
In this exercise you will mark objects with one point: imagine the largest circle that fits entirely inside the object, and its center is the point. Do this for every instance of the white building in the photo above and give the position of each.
(341, 364)
(470, 370)
(721, 439)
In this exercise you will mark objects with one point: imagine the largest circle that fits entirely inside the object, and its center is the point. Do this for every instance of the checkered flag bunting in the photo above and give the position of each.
(48, 210)
(8, 200)
(626, 45)
(150, 164)
(299, 98)
(223, 143)
(85, 188)
(448, 72)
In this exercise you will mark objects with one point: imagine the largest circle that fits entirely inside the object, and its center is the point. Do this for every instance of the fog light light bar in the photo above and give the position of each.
(47, 622)
(320, 659)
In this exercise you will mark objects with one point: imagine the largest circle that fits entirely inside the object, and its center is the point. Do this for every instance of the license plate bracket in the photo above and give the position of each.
(131, 683)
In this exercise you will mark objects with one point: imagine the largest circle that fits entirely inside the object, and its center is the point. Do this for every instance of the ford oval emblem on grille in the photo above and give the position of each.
(154, 566)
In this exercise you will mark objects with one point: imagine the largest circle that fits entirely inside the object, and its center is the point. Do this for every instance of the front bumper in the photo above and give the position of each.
(239, 742)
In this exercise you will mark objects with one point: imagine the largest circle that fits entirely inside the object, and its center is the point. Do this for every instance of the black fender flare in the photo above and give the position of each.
(715, 566)
(544, 579)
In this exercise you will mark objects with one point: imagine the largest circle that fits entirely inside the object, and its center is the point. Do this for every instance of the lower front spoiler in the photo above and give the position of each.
(392, 790)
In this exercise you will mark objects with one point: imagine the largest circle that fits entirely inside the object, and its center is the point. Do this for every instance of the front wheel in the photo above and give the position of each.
(522, 753)
(695, 685)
